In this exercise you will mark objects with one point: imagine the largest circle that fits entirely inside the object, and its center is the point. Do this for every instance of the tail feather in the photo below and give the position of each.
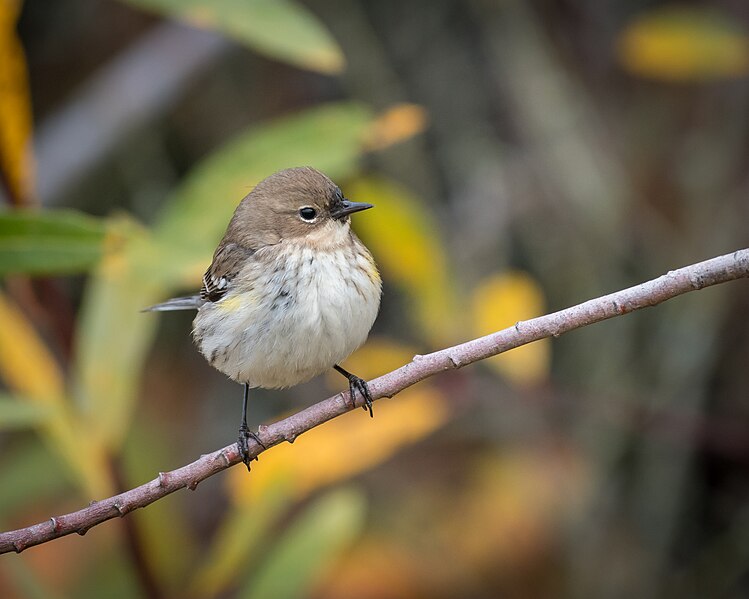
(192, 302)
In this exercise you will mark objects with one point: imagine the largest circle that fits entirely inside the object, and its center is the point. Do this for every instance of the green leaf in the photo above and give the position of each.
(32, 475)
(310, 546)
(18, 413)
(280, 29)
(326, 137)
(53, 242)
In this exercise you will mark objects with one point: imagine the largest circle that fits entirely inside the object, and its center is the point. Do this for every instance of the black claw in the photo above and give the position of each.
(357, 384)
(245, 434)
(244, 448)
(361, 385)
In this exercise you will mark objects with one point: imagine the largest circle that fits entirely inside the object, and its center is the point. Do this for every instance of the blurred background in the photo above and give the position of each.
(523, 156)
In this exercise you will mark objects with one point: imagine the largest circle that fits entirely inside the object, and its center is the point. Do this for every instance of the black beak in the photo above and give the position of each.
(347, 207)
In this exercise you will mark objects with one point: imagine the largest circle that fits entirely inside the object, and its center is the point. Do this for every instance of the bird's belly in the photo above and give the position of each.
(294, 323)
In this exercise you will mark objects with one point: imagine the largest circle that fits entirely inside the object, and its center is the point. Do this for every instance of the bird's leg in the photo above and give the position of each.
(354, 384)
(245, 433)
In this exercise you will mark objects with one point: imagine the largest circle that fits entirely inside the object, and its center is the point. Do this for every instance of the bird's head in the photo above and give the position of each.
(299, 204)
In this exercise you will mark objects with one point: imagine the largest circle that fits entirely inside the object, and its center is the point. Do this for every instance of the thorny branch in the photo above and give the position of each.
(690, 278)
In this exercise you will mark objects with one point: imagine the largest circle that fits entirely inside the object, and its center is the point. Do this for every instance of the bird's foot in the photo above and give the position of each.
(245, 434)
(358, 384)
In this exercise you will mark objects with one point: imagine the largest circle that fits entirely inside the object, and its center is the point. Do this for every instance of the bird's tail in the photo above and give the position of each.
(192, 302)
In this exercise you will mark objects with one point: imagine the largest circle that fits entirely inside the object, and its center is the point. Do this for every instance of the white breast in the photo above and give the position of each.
(296, 316)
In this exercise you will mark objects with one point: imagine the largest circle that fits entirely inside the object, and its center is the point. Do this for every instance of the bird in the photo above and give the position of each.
(291, 291)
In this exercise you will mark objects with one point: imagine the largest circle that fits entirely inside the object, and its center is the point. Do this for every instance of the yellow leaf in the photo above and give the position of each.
(16, 162)
(350, 443)
(113, 334)
(515, 497)
(396, 124)
(499, 302)
(29, 370)
(406, 245)
(503, 517)
(684, 44)
(382, 565)
(25, 363)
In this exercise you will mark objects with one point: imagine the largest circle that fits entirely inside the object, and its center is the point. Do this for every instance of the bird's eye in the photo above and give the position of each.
(308, 213)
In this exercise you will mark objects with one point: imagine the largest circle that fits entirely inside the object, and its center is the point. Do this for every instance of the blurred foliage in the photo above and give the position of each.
(31, 372)
(395, 125)
(306, 552)
(405, 240)
(15, 109)
(282, 29)
(15, 413)
(678, 43)
(49, 242)
(522, 156)
(495, 302)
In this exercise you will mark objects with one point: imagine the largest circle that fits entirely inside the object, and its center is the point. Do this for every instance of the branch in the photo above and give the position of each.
(677, 282)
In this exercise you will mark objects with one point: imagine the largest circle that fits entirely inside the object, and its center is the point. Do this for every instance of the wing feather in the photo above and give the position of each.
(227, 262)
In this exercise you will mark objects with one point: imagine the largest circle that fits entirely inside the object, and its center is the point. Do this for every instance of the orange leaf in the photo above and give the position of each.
(16, 162)
(395, 125)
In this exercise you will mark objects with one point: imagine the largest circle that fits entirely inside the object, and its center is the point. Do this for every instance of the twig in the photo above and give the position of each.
(690, 278)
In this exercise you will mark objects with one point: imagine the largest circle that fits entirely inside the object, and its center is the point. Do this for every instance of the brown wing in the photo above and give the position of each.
(227, 261)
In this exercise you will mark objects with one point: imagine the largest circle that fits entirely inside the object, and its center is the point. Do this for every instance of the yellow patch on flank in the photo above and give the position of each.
(371, 270)
(235, 303)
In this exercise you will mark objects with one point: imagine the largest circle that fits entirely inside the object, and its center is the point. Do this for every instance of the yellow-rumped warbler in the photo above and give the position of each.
(291, 291)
